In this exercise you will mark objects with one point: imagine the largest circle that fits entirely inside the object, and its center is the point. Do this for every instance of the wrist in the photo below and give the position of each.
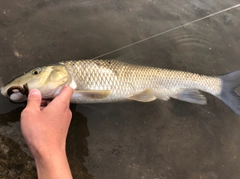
(52, 164)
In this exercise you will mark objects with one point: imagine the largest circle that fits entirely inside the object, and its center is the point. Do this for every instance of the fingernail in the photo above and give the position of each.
(34, 92)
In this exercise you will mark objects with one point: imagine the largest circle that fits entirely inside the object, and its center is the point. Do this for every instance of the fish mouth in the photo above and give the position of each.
(15, 89)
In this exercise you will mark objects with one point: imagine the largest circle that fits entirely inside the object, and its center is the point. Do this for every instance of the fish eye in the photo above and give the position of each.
(36, 71)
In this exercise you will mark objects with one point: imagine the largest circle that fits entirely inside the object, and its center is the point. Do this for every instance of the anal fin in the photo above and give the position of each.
(144, 96)
(191, 96)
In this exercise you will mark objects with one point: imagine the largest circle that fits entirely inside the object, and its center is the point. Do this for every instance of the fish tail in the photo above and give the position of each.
(228, 95)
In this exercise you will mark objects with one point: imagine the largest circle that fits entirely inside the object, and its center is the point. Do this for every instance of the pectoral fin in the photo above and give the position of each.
(191, 96)
(145, 96)
(93, 94)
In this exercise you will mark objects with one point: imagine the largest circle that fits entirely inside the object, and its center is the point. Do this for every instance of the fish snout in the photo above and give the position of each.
(16, 93)
(3, 91)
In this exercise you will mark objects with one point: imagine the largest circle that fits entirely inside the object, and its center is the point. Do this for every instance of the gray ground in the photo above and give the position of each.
(157, 140)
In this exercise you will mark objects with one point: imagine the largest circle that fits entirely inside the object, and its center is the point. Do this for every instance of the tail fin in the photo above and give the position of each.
(231, 81)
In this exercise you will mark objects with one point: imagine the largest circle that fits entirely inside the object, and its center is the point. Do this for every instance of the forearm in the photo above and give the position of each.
(53, 165)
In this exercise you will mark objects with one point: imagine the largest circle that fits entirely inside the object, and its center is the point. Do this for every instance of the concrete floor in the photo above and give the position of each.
(157, 140)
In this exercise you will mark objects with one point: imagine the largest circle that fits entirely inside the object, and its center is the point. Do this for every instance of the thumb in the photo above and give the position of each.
(34, 99)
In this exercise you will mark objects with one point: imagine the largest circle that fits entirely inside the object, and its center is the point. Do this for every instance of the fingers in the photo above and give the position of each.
(66, 94)
(62, 101)
(34, 99)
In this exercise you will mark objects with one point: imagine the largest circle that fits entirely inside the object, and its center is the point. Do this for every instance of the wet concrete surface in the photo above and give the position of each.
(158, 140)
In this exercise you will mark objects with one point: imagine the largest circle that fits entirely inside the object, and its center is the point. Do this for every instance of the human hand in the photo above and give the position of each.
(45, 130)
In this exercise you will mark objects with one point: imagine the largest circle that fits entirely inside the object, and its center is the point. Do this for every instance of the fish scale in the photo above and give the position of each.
(125, 80)
(100, 81)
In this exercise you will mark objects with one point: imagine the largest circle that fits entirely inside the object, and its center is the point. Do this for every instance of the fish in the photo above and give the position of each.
(104, 81)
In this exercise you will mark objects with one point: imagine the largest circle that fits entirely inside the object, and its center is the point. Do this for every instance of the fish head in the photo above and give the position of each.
(49, 80)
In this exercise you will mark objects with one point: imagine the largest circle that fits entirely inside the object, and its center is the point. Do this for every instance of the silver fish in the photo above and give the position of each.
(100, 81)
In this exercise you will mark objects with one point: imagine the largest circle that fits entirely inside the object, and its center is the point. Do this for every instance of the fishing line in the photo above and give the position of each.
(170, 30)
